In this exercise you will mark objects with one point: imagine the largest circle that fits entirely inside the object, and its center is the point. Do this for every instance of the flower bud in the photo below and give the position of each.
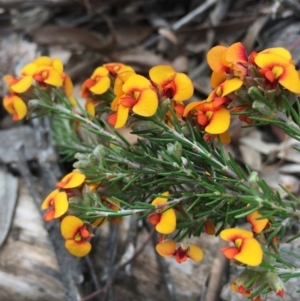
(245, 280)
(34, 104)
(262, 108)
(93, 159)
(275, 283)
(82, 164)
(99, 153)
(164, 105)
(175, 149)
(253, 182)
(145, 125)
(80, 156)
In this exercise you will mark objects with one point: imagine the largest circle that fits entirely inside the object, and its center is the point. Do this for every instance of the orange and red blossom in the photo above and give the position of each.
(71, 180)
(138, 96)
(224, 60)
(219, 95)
(246, 249)
(170, 84)
(56, 203)
(258, 224)
(116, 68)
(215, 119)
(18, 85)
(45, 74)
(15, 106)
(76, 235)
(98, 83)
(163, 220)
(277, 68)
(181, 251)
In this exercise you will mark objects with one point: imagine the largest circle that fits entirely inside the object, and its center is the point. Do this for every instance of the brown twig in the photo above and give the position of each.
(120, 267)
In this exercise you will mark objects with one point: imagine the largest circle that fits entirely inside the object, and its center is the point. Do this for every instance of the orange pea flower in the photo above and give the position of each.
(224, 60)
(56, 203)
(18, 85)
(44, 74)
(163, 220)
(215, 119)
(98, 83)
(246, 249)
(170, 84)
(71, 180)
(137, 96)
(14, 105)
(279, 51)
(76, 234)
(121, 78)
(277, 68)
(258, 225)
(117, 68)
(180, 251)
(219, 95)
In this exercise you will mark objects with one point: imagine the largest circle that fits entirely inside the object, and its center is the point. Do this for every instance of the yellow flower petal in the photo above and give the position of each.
(278, 51)
(68, 85)
(71, 180)
(29, 69)
(120, 80)
(48, 199)
(257, 224)
(89, 106)
(58, 65)
(161, 200)
(290, 79)
(191, 106)
(122, 116)
(236, 53)
(184, 87)
(61, 204)
(217, 79)
(43, 61)
(70, 226)
(101, 86)
(100, 71)
(147, 103)
(167, 223)
(166, 248)
(232, 234)
(22, 85)
(250, 252)
(219, 122)
(8, 104)
(14, 105)
(78, 248)
(214, 58)
(231, 85)
(225, 137)
(161, 74)
(53, 78)
(195, 253)
(136, 82)
(269, 60)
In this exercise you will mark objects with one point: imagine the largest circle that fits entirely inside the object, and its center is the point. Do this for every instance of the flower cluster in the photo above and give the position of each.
(189, 186)
(59, 204)
(44, 73)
